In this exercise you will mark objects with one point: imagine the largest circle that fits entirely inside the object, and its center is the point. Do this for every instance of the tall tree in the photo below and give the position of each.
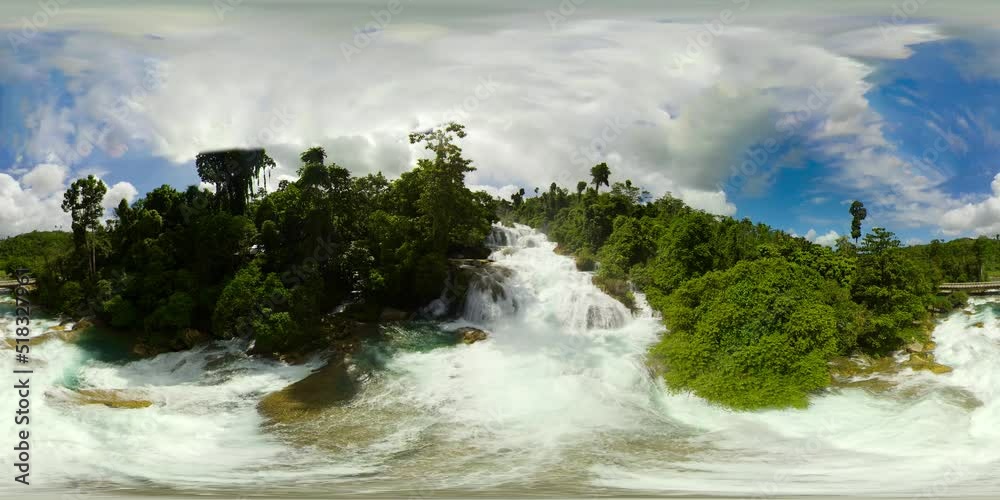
(859, 213)
(518, 198)
(315, 155)
(236, 173)
(580, 188)
(445, 188)
(83, 202)
(600, 174)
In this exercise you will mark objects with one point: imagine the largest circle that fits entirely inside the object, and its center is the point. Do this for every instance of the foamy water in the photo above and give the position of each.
(557, 401)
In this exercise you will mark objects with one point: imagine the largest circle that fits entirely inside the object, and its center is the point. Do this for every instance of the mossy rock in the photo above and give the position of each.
(845, 370)
(112, 398)
(329, 386)
(925, 361)
(469, 335)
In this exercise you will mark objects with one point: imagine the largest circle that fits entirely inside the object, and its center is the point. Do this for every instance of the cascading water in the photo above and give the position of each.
(557, 401)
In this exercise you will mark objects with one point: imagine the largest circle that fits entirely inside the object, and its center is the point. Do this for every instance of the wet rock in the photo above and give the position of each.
(979, 325)
(191, 338)
(916, 347)
(389, 314)
(329, 386)
(938, 368)
(925, 361)
(146, 349)
(112, 398)
(469, 335)
(863, 372)
(860, 366)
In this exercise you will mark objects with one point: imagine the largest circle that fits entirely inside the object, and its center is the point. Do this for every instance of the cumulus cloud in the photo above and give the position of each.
(23, 210)
(829, 239)
(539, 105)
(35, 202)
(980, 217)
(120, 191)
(45, 179)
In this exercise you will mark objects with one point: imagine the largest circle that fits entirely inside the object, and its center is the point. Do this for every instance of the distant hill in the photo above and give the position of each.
(33, 250)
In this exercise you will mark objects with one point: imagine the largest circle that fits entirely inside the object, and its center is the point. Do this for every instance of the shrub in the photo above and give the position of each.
(757, 335)
(585, 262)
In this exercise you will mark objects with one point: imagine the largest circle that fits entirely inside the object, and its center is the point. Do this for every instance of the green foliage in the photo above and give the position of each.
(235, 174)
(757, 335)
(585, 261)
(878, 294)
(271, 266)
(599, 175)
(858, 214)
(37, 251)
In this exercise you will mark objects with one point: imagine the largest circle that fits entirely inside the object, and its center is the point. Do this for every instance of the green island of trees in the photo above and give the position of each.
(754, 315)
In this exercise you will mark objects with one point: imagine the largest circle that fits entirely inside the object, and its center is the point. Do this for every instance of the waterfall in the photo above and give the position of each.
(557, 400)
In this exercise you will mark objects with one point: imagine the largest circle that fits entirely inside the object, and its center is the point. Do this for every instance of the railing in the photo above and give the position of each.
(13, 283)
(986, 285)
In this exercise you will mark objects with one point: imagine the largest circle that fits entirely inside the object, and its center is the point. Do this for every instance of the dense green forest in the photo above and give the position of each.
(245, 262)
(755, 314)
(34, 250)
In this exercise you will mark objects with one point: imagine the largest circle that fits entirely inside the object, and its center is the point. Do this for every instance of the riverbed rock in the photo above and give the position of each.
(925, 361)
(192, 338)
(389, 314)
(146, 349)
(979, 325)
(916, 347)
(864, 372)
(112, 398)
(328, 386)
(469, 335)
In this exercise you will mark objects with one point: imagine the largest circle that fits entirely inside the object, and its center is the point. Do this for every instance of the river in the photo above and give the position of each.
(558, 401)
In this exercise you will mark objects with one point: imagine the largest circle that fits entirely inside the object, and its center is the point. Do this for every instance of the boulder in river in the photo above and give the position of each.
(112, 398)
(469, 335)
(329, 386)
(192, 338)
(925, 361)
(389, 314)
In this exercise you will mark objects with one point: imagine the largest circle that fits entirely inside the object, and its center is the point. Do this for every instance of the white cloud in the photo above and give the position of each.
(539, 106)
(46, 178)
(885, 41)
(22, 210)
(503, 192)
(980, 217)
(118, 192)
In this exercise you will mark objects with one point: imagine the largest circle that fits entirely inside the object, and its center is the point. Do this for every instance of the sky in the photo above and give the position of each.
(783, 112)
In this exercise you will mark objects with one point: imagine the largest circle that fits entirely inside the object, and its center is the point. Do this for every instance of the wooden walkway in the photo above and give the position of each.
(981, 287)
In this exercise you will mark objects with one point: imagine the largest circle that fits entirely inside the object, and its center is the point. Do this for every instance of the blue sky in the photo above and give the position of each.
(905, 116)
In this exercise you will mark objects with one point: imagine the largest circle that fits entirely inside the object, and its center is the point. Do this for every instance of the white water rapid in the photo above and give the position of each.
(558, 401)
